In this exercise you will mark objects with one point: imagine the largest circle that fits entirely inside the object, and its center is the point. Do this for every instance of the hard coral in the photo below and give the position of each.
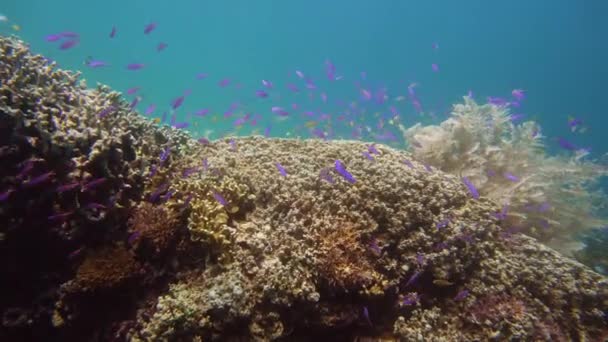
(342, 256)
(105, 269)
(153, 226)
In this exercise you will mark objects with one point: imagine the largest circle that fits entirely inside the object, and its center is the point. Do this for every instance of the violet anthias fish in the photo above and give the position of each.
(279, 111)
(294, 88)
(224, 82)
(435, 67)
(218, 197)
(511, 177)
(518, 94)
(113, 32)
(68, 44)
(261, 94)
(151, 108)
(267, 84)
(300, 74)
(92, 184)
(51, 38)
(201, 112)
(201, 76)
(96, 64)
(565, 144)
(135, 66)
(471, 187)
(161, 46)
(133, 90)
(176, 103)
(343, 172)
(149, 28)
(281, 169)
(497, 101)
(104, 112)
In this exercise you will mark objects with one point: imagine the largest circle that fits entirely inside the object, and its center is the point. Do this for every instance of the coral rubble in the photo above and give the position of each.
(143, 234)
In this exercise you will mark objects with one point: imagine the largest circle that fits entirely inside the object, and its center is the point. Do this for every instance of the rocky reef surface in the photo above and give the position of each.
(112, 228)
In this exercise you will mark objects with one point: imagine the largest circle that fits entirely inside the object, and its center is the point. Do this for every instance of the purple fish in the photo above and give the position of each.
(511, 177)
(113, 32)
(565, 144)
(68, 44)
(367, 155)
(471, 187)
(165, 154)
(267, 84)
(204, 141)
(279, 111)
(281, 169)
(435, 67)
(133, 237)
(96, 64)
(149, 28)
(224, 82)
(461, 295)
(135, 102)
(294, 88)
(261, 94)
(201, 112)
(51, 38)
(413, 278)
(201, 76)
(330, 70)
(156, 194)
(343, 172)
(366, 315)
(67, 187)
(189, 172)
(408, 163)
(92, 184)
(135, 66)
(39, 179)
(516, 117)
(411, 299)
(176, 103)
(164, 117)
(518, 94)
(443, 223)
(133, 90)
(161, 46)
(181, 125)
(218, 197)
(151, 108)
(6, 194)
(60, 216)
(497, 101)
(267, 131)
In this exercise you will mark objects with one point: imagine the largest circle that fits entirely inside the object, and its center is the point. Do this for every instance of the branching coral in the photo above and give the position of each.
(545, 196)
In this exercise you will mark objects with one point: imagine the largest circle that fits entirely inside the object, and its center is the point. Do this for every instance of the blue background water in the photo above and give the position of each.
(554, 50)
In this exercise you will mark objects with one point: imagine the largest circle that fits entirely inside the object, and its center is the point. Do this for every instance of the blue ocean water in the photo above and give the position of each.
(553, 50)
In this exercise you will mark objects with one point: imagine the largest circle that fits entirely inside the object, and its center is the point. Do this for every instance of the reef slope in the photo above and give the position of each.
(116, 229)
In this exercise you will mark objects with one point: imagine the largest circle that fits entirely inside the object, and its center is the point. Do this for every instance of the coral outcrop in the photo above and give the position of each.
(211, 242)
(552, 198)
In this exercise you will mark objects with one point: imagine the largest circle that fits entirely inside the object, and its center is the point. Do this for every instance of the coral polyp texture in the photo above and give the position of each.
(142, 234)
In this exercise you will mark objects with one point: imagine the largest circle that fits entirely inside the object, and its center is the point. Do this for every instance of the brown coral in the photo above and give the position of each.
(106, 268)
(342, 256)
(154, 226)
(497, 308)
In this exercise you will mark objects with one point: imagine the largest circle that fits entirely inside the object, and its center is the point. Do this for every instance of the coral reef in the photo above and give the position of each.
(551, 198)
(191, 242)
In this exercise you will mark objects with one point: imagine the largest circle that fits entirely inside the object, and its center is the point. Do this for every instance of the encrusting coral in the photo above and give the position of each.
(216, 243)
(549, 197)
